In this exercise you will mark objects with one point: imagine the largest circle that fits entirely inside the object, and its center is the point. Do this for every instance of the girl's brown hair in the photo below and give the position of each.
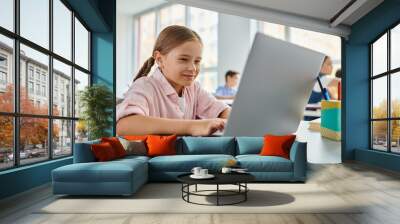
(168, 39)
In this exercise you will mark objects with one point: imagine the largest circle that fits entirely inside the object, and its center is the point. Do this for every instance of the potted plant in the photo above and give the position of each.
(96, 103)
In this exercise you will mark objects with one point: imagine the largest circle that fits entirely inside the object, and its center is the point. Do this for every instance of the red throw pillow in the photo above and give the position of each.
(277, 145)
(116, 145)
(161, 145)
(135, 137)
(103, 152)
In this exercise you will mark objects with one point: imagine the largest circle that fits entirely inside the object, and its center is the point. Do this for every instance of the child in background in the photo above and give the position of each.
(170, 101)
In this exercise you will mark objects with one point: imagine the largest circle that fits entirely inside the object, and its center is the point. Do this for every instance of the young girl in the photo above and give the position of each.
(170, 101)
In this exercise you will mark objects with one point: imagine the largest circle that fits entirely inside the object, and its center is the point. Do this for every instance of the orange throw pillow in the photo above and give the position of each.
(277, 145)
(103, 152)
(161, 145)
(116, 145)
(135, 137)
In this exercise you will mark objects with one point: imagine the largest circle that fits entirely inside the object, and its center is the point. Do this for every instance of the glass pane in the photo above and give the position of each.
(379, 135)
(6, 74)
(395, 136)
(172, 15)
(147, 37)
(62, 89)
(62, 141)
(35, 21)
(379, 97)
(34, 72)
(33, 139)
(6, 142)
(395, 47)
(395, 95)
(62, 29)
(379, 56)
(81, 81)
(328, 44)
(7, 14)
(81, 131)
(81, 45)
(205, 23)
(274, 30)
(208, 81)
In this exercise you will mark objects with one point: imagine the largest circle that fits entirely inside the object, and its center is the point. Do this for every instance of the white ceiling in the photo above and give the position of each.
(320, 9)
(133, 7)
(307, 14)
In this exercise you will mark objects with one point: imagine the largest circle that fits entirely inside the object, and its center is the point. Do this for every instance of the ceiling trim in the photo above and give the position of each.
(270, 15)
(346, 12)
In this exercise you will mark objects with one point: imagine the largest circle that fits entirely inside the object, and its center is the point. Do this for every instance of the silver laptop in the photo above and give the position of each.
(274, 89)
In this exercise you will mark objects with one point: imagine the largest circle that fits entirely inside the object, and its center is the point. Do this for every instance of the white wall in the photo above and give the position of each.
(125, 56)
(234, 41)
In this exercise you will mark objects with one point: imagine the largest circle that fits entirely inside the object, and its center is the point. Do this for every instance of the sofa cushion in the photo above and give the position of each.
(207, 145)
(257, 163)
(249, 145)
(134, 147)
(185, 163)
(161, 145)
(275, 145)
(116, 145)
(103, 152)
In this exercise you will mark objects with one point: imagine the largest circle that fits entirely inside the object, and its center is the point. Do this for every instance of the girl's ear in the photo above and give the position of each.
(158, 58)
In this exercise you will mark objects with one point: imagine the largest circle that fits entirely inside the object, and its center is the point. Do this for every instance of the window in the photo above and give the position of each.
(3, 78)
(43, 90)
(30, 87)
(35, 22)
(7, 14)
(7, 77)
(3, 61)
(146, 37)
(81, 45)
(53, 129)
(37, 89)
(204, 22)
(30, 72)
(328, 44)
(385, 94)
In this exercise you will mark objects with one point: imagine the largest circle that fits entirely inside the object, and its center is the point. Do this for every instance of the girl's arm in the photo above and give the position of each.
(225, 113)
(144, 125)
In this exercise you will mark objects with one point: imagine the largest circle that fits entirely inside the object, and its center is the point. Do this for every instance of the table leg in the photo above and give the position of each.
(217, 194)
(245, 193)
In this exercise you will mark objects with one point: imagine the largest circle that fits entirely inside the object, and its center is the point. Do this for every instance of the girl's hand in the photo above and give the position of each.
(207, 126)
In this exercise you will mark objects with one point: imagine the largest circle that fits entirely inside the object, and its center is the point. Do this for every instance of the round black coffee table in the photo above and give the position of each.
(238, 179)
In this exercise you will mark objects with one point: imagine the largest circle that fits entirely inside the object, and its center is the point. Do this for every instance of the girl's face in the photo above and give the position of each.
(182, 64)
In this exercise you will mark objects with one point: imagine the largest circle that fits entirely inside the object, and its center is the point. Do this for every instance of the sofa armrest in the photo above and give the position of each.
(83, 152)
(298, 155)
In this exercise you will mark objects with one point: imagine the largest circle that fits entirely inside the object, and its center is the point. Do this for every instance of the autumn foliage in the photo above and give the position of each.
(33, 130)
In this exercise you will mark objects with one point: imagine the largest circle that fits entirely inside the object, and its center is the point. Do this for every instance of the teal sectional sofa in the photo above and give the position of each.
(125, 176)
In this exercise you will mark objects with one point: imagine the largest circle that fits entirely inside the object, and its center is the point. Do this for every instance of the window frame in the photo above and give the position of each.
(388, 74)
(16, 115)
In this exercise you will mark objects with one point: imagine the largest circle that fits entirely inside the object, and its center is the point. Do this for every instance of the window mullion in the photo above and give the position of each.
(16, 83)
(389, 101)
(50, 81)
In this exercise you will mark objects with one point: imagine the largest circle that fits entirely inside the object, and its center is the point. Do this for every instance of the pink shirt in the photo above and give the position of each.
(154, 96)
